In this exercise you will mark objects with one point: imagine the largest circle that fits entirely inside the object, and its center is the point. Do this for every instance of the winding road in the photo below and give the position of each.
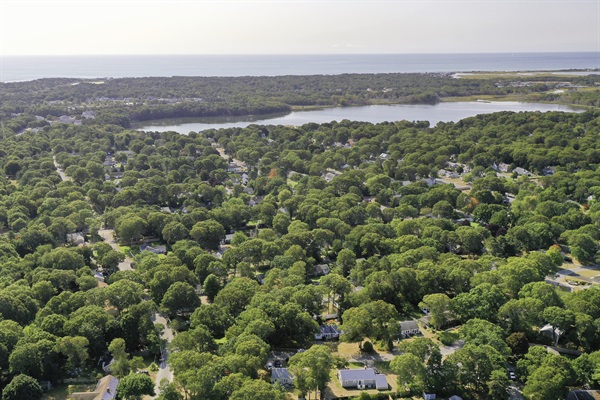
(108, 235)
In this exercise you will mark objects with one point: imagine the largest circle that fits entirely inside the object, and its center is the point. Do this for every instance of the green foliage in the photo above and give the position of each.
(22, 387)
(373, 229)
(134, 386)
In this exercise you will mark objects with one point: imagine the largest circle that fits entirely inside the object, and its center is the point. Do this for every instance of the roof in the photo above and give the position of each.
(357, 374)
(108, 387)
(280, 374)
(455, 397)
(329, 329)
(408, 325)
(105, 390)
(381, 382)
(584, 395)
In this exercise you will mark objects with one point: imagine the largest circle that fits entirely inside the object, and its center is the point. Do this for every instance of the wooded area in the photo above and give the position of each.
(271, 231)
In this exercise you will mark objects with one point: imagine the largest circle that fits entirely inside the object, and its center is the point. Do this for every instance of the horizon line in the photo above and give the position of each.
(293, 54)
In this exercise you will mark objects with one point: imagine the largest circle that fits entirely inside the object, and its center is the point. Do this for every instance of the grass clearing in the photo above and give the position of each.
(61, 391)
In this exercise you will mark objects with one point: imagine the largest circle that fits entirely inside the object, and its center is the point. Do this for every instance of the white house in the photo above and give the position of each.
(408, 328)
(282, 375)
(362, 379)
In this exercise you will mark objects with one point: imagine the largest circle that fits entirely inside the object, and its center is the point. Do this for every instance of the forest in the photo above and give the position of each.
(127, 100)
(246, 242)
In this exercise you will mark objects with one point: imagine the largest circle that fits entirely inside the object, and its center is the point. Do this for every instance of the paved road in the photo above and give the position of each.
(60, 170)
(108, 236)
(164, 371)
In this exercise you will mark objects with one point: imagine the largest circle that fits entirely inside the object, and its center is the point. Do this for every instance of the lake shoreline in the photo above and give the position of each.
(445, 111)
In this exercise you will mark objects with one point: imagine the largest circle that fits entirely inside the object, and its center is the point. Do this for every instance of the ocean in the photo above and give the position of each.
(25, 68)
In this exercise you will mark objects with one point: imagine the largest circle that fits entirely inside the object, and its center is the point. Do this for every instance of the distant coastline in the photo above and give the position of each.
(25, 68)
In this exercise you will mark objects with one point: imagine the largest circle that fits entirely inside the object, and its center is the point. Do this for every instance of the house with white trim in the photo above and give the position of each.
(362, 379)
(283, 376)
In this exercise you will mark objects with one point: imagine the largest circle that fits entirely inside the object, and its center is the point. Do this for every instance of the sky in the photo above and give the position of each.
(78, 27)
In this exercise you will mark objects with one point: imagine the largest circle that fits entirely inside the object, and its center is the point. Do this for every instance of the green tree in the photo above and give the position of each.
(75, 349)
(208, 233)
(411, 372)
(546, 383)
(257, 390)
(134, 386)
(312, 368)
(120, 365)
(174, 231)
(181, 297)
(211, 287)
(22, 387)
(130, 228)
(124, 293)
(438, 305)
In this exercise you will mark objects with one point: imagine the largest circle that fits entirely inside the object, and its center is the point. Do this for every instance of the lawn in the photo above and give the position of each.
(588, 272)
(61, 391)
(334, 389)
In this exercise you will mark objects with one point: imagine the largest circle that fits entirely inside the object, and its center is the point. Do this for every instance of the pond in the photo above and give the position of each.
(445, 112)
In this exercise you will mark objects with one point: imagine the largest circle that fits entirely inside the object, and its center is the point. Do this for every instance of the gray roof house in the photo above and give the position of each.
(282, 375)
(409, 328)
(160, 249)
(328, 332)
(362, 379)
(76, 238)
(321, 269)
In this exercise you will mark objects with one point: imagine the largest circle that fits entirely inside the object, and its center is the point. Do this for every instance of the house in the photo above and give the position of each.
(106, 389)
(522, 171)
(281, 375)
(409, 328)
(547, 331)
(362, 379)
(428, 396)
(455, 397)
(321, 269)
(228, 238)
(501, 167)
(75, 238)
(160, 249)
(448, 174)
(430, 181)
(584, 395)
(546, 171)
(384, 156)
(65, 119)
(328, 332)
